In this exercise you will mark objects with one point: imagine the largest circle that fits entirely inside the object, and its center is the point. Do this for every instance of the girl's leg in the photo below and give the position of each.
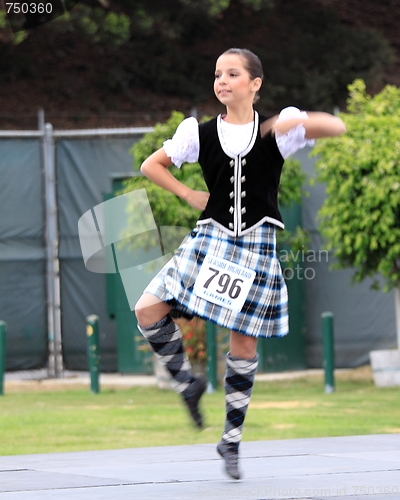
(241, 367)
(150, 309)
(165, 339)
(242, 346)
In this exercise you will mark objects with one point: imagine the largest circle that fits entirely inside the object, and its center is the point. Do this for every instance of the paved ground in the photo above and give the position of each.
(359, 467)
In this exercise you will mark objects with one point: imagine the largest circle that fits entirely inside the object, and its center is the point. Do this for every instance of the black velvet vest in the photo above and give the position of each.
(244, 188)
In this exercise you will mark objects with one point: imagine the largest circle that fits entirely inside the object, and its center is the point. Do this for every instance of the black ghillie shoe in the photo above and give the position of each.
(196, 390)
(230, 453)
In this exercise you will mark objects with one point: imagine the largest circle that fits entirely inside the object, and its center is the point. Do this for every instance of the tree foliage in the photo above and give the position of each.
(309, 54)
(360, 217)
(323, 56)
(6, 35)
(110, 29)
(170, 210)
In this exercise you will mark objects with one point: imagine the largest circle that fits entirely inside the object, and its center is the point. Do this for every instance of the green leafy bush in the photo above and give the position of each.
(360, 217)
(168, 209)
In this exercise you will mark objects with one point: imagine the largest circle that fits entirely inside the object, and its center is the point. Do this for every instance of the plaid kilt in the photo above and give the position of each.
(265, 311)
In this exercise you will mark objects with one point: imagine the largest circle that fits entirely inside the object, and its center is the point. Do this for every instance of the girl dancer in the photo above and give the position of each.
(227, 270)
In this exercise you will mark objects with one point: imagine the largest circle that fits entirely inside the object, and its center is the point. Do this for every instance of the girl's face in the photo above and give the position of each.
(233, 84)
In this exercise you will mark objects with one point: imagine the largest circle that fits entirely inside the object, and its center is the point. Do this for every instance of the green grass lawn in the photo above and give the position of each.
(72, 420)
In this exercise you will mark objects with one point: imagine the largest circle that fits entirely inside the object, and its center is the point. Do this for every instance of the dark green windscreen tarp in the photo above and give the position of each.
(22, 254)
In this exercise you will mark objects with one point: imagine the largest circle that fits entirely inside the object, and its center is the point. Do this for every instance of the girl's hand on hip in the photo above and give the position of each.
(197, 199)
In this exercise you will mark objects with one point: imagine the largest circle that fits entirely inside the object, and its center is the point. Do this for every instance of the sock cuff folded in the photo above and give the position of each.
(241, 366)
(235, 358)
(156, 326)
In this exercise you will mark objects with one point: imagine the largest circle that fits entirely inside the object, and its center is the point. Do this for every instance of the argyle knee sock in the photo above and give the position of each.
(239, 382)
(165, 339)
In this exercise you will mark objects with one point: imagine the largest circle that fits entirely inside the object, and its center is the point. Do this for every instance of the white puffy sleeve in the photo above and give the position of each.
(295, 139)
(184, 145)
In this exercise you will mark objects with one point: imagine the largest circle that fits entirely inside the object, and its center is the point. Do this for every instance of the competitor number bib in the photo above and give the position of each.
(223, 282)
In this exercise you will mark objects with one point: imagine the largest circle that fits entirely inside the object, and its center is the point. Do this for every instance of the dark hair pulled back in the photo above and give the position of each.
(252, 63)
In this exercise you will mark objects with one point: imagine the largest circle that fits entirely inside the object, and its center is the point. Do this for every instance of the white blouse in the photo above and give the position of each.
(185, 146)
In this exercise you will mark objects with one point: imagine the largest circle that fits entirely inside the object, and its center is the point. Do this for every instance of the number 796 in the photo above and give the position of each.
(224, 281)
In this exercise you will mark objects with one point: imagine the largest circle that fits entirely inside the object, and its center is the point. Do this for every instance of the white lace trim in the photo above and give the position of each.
(295, 139)
(185, 145)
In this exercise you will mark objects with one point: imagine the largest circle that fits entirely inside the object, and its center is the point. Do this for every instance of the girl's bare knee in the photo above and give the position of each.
(149, 310)
(243, 346)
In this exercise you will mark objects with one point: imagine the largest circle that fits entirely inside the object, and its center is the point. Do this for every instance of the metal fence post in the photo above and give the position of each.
(52, 263)
(92, 331)
(212, 371)
(329, 351)
(3, 335)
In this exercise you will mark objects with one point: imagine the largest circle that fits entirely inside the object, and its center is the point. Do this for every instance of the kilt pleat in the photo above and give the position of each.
(265, 310)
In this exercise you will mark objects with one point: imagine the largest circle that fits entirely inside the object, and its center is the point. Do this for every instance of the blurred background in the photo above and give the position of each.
(129, 62)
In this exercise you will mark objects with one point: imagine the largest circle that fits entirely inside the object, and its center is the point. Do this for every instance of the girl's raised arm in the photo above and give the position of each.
(317, 125)
(155, 168)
